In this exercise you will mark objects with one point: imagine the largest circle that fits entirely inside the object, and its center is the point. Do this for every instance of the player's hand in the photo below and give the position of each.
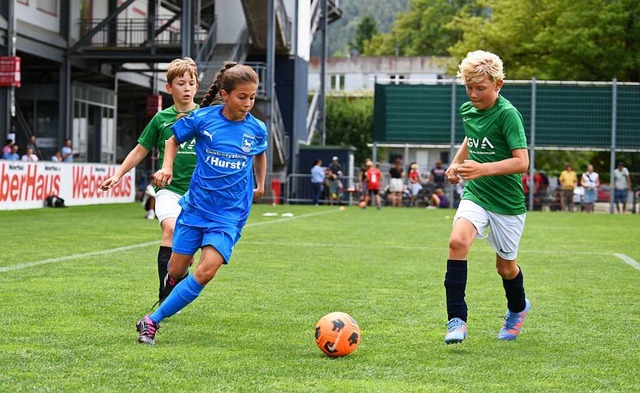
(258, 193)
(163, 177)
(452, 173)
(110, 182)
(470, 170)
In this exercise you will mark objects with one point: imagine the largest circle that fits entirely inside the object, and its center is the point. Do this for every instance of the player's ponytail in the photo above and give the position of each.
(212, 95)
(230, 75)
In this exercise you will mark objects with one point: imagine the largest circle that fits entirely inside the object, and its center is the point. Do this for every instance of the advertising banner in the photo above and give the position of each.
(26, 185)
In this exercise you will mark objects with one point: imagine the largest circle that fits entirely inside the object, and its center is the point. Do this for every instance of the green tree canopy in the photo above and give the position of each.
(555, 39)
(365, 30)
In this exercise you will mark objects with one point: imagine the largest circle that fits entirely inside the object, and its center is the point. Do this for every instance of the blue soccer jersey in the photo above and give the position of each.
(221, 188)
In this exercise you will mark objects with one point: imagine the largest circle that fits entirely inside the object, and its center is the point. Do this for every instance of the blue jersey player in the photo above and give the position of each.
(230, 147)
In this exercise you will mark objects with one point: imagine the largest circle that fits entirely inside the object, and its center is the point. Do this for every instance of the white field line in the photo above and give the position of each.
(628, 260)
(25, 265)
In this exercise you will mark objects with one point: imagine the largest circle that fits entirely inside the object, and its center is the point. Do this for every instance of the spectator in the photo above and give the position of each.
(396, 185)
(7, 146)
(437, 176)
(12, 154)
(57, 157)
(439, 199)
(590, 181)
(34, 147)
(67, 151)
(29, 155)
(317, 180)
(149, 201)
(415, 182)
(621, 186)
(568, 181)
(374, 182)
(335, 184)
(362, 180)
(537, 185)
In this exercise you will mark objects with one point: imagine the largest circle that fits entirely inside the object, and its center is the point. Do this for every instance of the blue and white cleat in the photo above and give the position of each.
(456, 331)
(513, 323)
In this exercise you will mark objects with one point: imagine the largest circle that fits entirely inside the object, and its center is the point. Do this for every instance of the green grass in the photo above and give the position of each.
(67, 324)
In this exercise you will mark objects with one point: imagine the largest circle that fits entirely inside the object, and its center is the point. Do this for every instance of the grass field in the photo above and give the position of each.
(74, 281)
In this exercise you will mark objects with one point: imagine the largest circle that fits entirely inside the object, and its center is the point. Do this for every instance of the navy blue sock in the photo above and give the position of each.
(514, 291)
(164, 255)
(181, 296)
(455, 283)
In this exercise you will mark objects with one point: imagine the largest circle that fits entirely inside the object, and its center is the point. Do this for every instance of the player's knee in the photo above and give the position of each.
(458, 244)
(508, 271)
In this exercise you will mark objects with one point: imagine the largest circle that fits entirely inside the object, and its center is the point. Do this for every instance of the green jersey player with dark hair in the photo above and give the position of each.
(182, 84)
(491, 159)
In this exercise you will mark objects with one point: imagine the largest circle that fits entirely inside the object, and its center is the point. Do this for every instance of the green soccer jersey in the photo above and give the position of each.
(155, 134)
(492, 134)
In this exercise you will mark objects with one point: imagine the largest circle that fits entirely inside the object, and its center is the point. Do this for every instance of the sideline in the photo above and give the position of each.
(140, 245)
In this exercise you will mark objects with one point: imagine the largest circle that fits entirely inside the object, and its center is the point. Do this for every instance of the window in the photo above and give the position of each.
(337, 82)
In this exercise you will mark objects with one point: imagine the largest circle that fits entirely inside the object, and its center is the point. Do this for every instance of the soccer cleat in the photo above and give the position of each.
(147, 330)
(513, 323)
(456, 331)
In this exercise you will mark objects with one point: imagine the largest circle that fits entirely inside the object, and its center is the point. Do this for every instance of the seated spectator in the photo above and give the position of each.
(12, 154)
(439, 199)
(29, 155)
(66, 151)
(7, 146)
(57, 157)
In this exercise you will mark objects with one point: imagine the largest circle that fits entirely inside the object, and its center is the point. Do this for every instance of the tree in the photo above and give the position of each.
(350, 123)
(365, 30)
(555, 39)
(421, 31)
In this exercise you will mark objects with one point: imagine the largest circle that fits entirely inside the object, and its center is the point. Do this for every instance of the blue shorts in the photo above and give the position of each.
(620, 196)
(192, 233)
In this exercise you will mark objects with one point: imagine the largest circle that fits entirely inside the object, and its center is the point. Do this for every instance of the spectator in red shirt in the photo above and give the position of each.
(374, 182)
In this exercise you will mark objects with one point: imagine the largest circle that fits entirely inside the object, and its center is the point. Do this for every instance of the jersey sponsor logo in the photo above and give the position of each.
(188, 147)
(473, 142)
(220, 162)
(248, 142)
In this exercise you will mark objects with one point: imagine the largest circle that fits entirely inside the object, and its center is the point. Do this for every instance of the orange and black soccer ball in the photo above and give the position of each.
(337, 334)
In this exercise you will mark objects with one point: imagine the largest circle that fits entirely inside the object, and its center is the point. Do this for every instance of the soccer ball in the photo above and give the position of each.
(337, 334)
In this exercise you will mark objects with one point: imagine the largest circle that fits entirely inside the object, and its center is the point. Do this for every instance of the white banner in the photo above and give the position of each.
(26, 185)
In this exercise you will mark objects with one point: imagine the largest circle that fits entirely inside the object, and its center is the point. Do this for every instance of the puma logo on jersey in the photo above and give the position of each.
(210, 135)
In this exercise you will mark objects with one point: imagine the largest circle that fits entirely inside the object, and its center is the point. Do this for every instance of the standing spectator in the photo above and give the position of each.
(12, 154)
(317, 180)
(335, 184)
(590, 181)
(415, 182)
(231, 152)
(34, 146)
(67, 151)
(493, 198)
(621, 186)
(374, 182)
(182, 84)
(396, 184)
(568, 182)
(29, 155)
(362, 180)
(437, 175)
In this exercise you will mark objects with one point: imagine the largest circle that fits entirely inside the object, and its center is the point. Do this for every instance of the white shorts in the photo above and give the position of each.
(395, 185)
(505, 230)
(416, 188)
(167, 205)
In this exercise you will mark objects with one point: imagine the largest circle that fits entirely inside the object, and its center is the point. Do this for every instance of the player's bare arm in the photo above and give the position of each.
(518, 163)
(260, 172)
(134, 157)
(165, 174)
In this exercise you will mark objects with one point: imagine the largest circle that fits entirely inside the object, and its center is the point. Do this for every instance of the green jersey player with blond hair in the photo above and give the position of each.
(491, 159)
(182, 84)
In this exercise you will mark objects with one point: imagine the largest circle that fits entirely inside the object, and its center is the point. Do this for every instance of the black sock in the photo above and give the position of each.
(455, 283)
(514, 291)
(164, 254)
